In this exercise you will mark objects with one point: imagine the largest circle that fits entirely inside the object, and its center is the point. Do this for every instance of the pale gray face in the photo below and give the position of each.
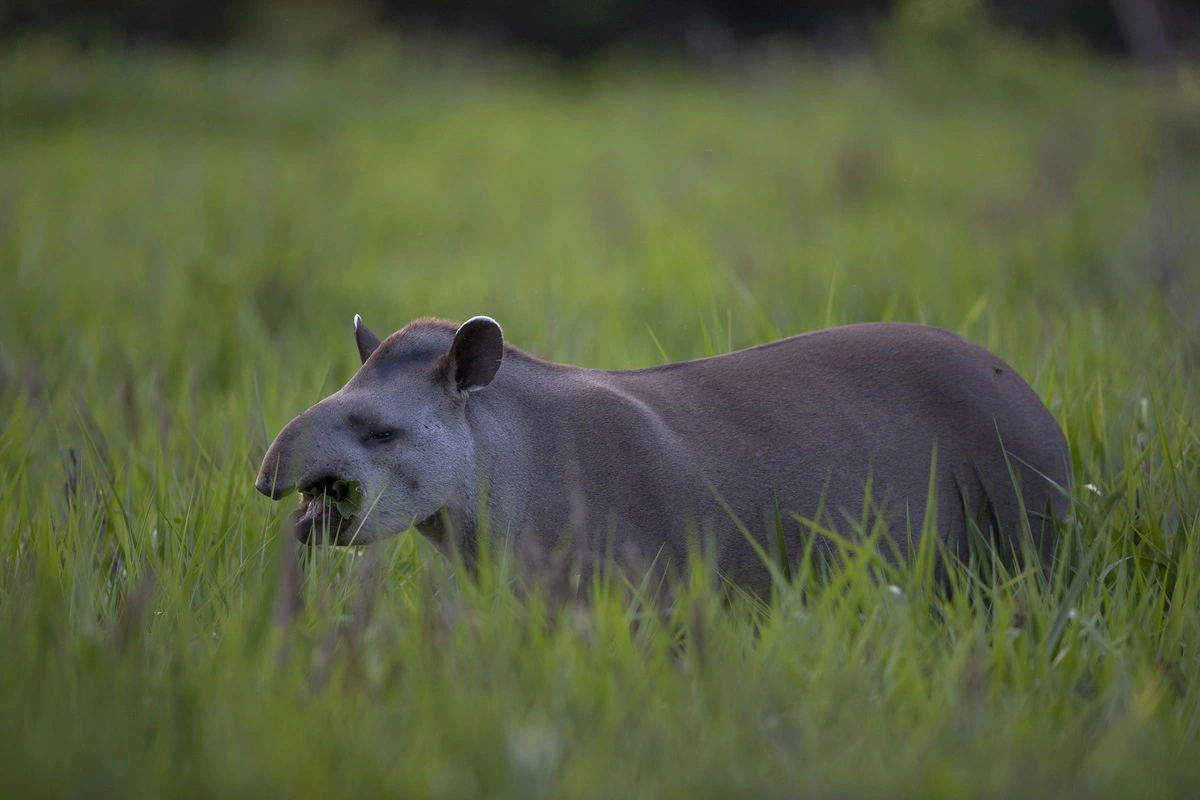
(397, 430)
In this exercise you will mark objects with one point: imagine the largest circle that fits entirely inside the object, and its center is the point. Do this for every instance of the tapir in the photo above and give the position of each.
(828, 434)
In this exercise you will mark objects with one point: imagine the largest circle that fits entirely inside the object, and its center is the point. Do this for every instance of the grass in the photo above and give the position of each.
(184, 241)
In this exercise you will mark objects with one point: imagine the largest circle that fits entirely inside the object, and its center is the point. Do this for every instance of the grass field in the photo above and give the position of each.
(184, 241)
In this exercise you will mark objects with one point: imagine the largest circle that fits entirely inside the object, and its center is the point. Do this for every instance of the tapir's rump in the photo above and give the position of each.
(824, 430)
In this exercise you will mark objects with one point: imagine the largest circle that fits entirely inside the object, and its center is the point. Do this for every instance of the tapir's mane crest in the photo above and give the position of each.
(421, 343)
(423, 337)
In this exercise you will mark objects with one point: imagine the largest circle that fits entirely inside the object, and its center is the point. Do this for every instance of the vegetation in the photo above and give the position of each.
(184, 241)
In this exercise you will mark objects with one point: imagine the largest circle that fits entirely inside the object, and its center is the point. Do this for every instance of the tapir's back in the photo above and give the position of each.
(811, 419)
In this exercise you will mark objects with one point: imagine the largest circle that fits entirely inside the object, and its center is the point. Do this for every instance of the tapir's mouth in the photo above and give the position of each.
(317, 519)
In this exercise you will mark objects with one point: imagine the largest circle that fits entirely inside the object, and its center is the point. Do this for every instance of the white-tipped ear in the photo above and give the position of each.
(475, 355)
(364, 338)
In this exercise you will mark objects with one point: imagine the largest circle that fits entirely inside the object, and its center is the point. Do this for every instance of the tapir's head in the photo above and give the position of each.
(389, 448)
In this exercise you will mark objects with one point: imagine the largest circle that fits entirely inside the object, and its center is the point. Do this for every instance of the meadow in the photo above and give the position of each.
(184, 240)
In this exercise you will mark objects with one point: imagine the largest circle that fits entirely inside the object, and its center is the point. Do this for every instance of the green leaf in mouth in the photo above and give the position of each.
(347, 496)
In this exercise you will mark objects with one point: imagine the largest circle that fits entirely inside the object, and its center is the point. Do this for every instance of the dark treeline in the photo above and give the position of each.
(584, 27)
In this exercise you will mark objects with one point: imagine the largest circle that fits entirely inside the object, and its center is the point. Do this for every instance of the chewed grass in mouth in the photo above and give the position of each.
(325, 511)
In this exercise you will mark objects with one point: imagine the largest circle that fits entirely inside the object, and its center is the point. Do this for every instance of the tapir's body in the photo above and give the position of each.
(638, 461)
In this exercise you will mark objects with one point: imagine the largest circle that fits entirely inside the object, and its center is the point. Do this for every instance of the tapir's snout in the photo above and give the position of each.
(304, 457)
(268, 485)
(281, 470)
(272, 480)
(307, 455)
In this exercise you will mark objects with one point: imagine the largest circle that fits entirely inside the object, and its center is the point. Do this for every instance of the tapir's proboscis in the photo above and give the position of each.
(452, 430)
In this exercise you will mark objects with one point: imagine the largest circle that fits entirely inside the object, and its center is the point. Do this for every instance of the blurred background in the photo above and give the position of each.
(580, 30)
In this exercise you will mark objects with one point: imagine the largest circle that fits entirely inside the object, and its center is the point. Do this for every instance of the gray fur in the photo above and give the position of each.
(639, 460)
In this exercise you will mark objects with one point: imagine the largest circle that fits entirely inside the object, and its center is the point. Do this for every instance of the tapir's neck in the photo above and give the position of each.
(502, 420)
(455, 526)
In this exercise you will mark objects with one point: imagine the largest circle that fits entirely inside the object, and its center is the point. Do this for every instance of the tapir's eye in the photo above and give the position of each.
(381, 436)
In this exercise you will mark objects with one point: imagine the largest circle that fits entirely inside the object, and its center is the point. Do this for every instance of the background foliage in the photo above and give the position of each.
(702, 28)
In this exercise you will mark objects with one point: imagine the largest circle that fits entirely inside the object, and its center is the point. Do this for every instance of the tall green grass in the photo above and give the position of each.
(184, 241)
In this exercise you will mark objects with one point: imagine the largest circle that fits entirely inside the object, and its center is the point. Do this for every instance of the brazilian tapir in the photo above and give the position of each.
(443, 420)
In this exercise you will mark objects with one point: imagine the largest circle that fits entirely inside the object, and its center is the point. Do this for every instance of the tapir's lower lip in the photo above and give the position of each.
(316, 520)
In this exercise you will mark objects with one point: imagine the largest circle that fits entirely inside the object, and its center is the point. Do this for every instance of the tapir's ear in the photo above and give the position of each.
(364, 338)
(475, 355)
